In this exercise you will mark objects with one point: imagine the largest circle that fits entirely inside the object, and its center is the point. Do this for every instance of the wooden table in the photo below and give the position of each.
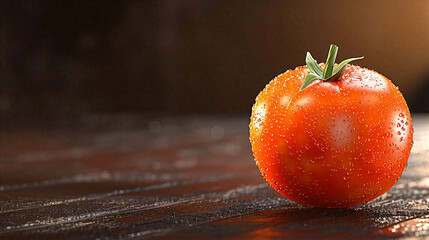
(127, 176)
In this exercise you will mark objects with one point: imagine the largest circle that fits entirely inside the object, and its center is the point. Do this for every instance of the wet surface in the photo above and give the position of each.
(163, 178)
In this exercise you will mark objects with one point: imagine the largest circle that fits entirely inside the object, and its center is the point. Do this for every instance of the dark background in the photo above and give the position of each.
(67, 58)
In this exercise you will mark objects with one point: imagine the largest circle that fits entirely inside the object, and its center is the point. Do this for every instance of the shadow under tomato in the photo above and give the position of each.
(304, 223)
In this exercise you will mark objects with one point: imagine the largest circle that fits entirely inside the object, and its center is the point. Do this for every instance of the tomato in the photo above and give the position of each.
(332, 144)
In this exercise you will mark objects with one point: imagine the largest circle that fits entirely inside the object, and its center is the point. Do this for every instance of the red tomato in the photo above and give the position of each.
(335, 143)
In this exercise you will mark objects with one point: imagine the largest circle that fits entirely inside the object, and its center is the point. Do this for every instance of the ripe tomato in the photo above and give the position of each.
(334, 143)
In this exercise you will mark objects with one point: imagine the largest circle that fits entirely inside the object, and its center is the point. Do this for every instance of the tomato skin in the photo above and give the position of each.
(333, 144)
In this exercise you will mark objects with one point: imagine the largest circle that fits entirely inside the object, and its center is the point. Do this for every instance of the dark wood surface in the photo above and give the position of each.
(130, 177)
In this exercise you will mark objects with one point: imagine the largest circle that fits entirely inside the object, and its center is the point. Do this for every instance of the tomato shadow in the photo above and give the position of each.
(311, 223)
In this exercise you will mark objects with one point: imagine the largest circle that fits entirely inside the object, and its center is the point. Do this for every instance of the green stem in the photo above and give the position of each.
(330, 61)
(329, 73)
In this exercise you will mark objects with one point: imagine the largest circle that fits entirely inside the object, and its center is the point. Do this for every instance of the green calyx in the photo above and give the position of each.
(329, 73)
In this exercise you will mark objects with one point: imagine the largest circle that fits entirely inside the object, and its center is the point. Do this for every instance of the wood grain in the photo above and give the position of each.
(178, 178)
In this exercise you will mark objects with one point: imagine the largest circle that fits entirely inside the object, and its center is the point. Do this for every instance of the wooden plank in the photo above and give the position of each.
(178, 178)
